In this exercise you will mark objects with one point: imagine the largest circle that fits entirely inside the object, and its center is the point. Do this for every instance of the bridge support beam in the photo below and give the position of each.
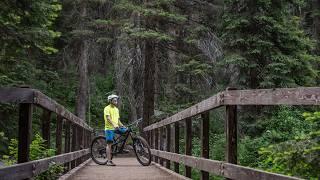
(188, 144)
(205, 119)
(45, 126)
(156, 142)
(231, 134)
(59, 123)
(25, 132)
(176, 144)
(67, 142)
(161, 141)
(168, 143)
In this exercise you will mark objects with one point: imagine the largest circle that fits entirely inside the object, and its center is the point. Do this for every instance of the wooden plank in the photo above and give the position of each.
(45, 126)
(74, 171)
(27, 95)
(47, 103)
(16, 95)
(231, 134)
(59, 134)
(188, 143)
(283, 96)
(176, 144)
(25, 132)
(233, 171)
(280, 96)
(33, 168)
(220, 168)
(168, 143)
(204, 135)
(205, 105)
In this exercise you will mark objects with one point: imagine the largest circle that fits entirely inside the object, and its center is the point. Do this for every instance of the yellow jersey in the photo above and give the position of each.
(113, 112)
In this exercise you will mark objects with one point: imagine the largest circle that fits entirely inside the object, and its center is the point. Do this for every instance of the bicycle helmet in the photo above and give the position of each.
(112, 96)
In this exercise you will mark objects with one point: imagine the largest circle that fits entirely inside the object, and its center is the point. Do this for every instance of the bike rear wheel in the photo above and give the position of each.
(98, 150)
(142, 150)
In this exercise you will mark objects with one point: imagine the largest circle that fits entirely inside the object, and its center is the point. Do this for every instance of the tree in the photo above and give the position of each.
(265, 45)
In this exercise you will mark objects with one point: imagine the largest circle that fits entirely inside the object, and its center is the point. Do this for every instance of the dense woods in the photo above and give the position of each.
(162, 56)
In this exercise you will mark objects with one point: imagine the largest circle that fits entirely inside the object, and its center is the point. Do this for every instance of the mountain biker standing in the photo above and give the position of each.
(112, 124)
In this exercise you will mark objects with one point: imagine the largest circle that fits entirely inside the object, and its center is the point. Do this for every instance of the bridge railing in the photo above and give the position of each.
(230, 99)
(71, 132)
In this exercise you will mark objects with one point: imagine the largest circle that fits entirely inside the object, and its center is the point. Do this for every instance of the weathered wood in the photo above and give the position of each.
(59, 134)
(204, 130)
(16, 95)
(231, 134)
(188, 143)
(161, 141)
(152, 142)
(176, 144)
(45, 126)
(283, 96)
(156, 142)
(168, 143)
(67, 142)
(280, 96)
(32, 96)
(47, 103)
(74, 144)
(220, 168)
(33, 168)
(80, 143)
(25, 132)
(203, 106)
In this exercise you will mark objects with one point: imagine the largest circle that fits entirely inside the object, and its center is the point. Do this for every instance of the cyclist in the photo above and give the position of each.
(112, 124)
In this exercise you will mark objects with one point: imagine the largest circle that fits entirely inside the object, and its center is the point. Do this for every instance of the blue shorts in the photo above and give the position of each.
(110, 133)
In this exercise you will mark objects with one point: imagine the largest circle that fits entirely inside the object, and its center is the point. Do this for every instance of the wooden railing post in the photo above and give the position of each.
(59, 134)
(176, 144)
(67, 142)
(152, 143)
(156, 142)
(25, 132)
(74, 143)
(188, 144)
(231, 133)
(161, 143)
(168, 143)
(204, 141)
(45, 126)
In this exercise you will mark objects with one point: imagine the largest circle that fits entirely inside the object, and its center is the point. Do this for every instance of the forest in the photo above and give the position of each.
(162, 56)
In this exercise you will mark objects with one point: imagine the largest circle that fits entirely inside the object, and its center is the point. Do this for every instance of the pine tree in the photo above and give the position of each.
(265, 45)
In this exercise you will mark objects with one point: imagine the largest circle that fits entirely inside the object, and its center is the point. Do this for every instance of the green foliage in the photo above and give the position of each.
(267, 45)
(298, 157)
(28, 26)
(98, 99)
(38, 150)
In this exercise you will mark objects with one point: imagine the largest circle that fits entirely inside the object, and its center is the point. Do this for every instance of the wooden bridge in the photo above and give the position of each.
(73, 137)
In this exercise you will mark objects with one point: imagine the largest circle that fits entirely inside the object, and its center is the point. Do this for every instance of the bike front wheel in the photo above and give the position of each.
(98, 150)
(142, 150)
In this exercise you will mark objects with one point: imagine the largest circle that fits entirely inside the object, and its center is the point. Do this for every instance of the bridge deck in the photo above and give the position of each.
(127, 168)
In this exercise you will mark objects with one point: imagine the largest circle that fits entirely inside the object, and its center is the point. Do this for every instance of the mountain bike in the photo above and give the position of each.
(140, 147)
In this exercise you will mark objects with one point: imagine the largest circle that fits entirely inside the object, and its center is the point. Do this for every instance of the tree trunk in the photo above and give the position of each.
(148, 84)
(83, 88)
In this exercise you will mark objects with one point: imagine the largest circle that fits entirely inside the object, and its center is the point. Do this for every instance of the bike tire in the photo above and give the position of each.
(146, 146)
(100, 161)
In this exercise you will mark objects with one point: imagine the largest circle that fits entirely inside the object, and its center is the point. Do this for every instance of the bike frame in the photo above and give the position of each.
(117, 140)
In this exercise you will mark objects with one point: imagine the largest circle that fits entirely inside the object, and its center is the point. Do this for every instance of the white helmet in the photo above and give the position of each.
(112, 96)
